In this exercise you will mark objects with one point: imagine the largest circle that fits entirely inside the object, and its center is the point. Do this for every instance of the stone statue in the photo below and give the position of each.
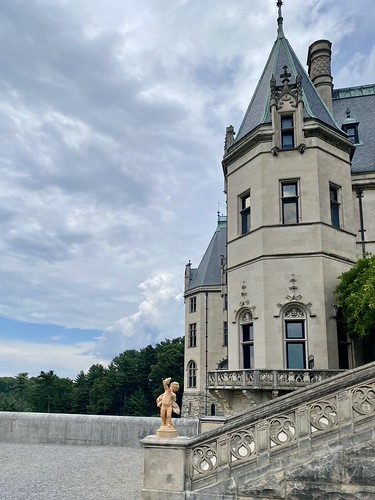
(167, 403)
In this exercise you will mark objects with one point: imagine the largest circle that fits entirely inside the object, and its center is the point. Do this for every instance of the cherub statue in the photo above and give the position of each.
(167, 402)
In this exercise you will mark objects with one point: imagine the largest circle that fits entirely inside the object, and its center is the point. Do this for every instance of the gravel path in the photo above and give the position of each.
(59, 472)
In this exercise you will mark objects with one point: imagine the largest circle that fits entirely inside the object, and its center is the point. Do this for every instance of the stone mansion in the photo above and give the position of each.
(299, 178)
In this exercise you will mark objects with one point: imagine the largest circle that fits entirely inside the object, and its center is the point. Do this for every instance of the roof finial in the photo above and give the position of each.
(280, 31)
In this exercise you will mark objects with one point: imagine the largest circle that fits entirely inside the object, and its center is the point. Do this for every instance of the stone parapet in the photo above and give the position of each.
(97, 430)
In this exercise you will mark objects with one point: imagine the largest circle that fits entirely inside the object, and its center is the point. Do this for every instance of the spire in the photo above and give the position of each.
(280, 31)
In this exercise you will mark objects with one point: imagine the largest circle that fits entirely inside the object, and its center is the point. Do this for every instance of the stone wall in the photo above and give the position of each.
(85, 430)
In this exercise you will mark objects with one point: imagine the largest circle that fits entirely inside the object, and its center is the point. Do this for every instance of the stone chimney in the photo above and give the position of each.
(229, 138)
(187, 275)
(319, 64)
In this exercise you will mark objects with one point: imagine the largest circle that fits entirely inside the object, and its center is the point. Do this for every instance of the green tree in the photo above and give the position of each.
(81, 393)
(169, 363)
(90, 393)
(22, 386)
(137, 404)
(356, 297)
(101, 397)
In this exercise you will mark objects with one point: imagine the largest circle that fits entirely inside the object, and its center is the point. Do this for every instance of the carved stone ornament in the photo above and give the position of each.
(246, 317)
(294, 297)
(244, 300)
(290, 93)
(302, 148)
(294, 312)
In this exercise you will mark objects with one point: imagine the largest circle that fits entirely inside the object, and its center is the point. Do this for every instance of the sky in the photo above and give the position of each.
(112, 124)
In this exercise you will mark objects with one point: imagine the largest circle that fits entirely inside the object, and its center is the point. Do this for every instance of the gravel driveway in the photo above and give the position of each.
(62, 472)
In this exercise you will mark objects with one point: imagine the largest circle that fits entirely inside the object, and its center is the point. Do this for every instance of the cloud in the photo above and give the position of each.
(33, 357)
(112, 121)
(150, 323)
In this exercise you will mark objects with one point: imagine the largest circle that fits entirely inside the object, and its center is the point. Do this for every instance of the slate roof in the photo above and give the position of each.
(258, 111)
(361, 103)
(209, 271)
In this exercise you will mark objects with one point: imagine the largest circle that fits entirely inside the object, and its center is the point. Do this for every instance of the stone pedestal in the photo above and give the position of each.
(164, 467)
(166, 432)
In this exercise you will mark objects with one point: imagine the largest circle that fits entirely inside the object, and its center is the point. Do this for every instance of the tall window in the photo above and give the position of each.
(193, 304)
(289, 202)
(287, 132)
(334, 196)
(192, 374)
(247, 339)
(193, 335)
(245, 212)
(225, 333)
(248, 345)
(295, 339)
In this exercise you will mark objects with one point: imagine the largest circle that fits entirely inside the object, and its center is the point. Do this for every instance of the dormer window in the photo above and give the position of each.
(350, 127)
(287, 132)
(352, 131)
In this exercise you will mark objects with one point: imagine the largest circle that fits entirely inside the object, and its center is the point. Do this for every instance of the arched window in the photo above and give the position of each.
(247, 339)
(213, 410)
(295, 338)
(223, 365)
(192, 374)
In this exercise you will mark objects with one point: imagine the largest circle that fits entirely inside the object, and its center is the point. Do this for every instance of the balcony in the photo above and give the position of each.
(272, 380)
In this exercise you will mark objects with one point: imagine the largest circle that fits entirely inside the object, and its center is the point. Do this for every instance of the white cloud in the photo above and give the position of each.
(33, 357)
(112, 121)
(158, 316)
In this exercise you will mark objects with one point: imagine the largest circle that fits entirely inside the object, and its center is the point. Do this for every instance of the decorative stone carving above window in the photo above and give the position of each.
(294, 312)
(244, 300)
(246, 317)
(294, 297)
(288, 94)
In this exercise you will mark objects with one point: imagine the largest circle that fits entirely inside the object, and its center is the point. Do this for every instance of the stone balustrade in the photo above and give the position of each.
(275, 380)
(341, 409)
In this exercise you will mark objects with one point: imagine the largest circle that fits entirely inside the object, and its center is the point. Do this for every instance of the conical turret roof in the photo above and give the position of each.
(258, 111)
(208, 272)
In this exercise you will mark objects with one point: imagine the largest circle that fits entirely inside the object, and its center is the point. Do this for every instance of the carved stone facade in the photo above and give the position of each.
(300, 211)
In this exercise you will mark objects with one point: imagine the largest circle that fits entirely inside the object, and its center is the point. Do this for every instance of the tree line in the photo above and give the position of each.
(128, 386)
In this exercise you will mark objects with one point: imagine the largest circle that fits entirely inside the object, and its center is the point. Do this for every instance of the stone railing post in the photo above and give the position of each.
(263, 443)
(345, 413)
(303, 428)
(165, 468)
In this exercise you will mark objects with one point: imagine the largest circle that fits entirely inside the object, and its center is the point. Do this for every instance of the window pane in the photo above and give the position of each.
(335, 214)
(289, 189)
(245, 201)
(248, 356)
(295, 330)
(333, 193)
(286, 121)
(290, 212)
(245, 221)
(296, 355)
(287, 140)
(247, 333)
(225, 329)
